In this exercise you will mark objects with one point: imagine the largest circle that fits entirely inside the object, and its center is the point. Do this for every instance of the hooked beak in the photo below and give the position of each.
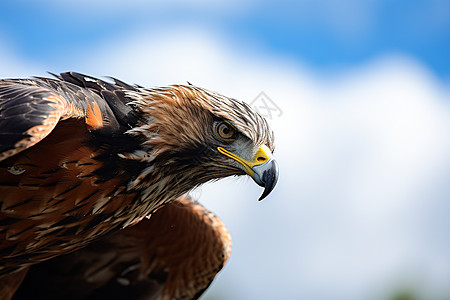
(263, 169)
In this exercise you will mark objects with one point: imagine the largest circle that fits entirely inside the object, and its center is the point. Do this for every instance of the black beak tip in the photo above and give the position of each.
(269, 180)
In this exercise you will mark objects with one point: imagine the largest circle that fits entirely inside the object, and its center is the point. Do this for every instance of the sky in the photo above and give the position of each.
(360, 99)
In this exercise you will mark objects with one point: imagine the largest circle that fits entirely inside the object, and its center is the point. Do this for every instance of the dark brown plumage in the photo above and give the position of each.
(182, 245)
(81, 158)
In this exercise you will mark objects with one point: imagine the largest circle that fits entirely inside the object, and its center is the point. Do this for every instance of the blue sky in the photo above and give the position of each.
(361, 207)
(324, 34)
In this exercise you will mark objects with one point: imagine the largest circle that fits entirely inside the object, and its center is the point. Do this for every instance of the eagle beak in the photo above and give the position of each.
(263, 169)
(266, 175)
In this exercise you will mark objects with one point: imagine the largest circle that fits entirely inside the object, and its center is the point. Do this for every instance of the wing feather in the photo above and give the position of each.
(31, 108)
(27, 115)
(173, 255)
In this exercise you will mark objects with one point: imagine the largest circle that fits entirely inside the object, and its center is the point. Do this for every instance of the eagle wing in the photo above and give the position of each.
(173, 255)
(48, 180)
(31, 108)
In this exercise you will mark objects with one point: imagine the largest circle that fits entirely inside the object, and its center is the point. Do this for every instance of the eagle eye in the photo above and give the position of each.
(226, 131)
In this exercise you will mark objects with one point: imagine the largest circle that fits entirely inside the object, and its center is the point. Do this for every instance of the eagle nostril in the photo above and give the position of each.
(261, 158)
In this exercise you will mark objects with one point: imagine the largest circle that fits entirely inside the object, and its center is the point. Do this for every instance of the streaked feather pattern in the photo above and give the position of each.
(82, 160)
(173, 255)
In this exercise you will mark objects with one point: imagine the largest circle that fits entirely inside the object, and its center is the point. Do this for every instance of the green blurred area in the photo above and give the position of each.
(405, 295)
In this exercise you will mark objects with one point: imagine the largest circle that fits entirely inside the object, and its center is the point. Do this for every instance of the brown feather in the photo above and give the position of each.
(9, 283)
(56, 197)
(173, 255)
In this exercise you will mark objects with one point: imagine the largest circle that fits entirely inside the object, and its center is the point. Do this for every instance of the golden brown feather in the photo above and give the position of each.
(173, 255)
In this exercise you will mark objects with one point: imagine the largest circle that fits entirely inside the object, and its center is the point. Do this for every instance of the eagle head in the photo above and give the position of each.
(189, 135)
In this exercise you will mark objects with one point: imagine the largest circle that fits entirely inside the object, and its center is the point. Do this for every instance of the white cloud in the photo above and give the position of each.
(364, 168)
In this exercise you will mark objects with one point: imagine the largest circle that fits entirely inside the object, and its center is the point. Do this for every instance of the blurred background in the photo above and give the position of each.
(358, 94)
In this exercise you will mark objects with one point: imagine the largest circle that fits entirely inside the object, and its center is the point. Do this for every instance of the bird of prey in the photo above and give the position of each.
(93, 182)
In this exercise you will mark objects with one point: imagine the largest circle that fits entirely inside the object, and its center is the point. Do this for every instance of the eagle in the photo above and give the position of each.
(95, 178)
